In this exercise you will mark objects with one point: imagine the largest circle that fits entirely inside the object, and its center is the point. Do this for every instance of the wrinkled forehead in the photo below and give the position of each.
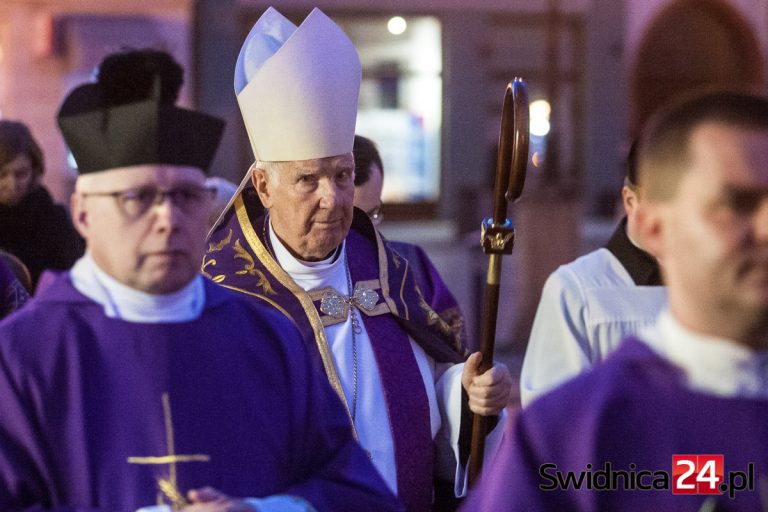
(161, 176)
(323, 165)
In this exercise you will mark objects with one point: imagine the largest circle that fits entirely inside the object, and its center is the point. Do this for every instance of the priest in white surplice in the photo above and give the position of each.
(292, 239)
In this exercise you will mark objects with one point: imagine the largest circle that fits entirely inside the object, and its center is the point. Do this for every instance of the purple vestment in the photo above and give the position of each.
(12, 292)
(630, 413)
(82, 409)
(239, 258)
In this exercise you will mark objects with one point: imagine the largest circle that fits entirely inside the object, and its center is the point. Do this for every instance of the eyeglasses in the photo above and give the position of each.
(376, 215)
(136, 202)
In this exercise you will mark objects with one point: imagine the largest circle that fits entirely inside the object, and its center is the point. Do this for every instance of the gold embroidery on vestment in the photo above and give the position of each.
(250, 268)
(215, 247)
(169, 486)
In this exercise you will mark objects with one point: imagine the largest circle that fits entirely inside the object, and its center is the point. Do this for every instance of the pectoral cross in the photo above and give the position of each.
(169, 486)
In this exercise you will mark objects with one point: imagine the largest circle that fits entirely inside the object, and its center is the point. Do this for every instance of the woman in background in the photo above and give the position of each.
(32, 227)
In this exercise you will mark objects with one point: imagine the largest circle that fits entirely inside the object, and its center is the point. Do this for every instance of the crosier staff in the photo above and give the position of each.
(498, 235)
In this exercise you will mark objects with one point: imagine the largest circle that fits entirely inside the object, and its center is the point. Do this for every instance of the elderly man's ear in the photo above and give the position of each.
(261, 184)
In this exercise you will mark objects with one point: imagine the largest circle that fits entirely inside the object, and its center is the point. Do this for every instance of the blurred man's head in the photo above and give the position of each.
(144, 225)
(140, 200)
(369, 178)
(21, 162)
(705, 210)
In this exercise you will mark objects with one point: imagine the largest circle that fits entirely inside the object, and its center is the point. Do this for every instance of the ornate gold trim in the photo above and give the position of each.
(262, 297)
(402, 289)
(384, 277)
(306, 302)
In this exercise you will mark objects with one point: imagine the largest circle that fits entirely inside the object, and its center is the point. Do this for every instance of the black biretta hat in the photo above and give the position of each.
(103, 131)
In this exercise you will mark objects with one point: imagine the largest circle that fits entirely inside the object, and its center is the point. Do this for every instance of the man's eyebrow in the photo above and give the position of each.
(744, 196)
(737, 189)
(303, 171)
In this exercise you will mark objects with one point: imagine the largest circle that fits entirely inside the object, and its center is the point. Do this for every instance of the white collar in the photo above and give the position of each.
(712, 365)
(125, 303)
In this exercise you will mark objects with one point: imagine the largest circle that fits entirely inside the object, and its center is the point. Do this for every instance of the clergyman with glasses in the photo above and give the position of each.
(131, 382)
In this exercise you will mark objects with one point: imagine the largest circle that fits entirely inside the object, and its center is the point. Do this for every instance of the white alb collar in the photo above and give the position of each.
(125, 303)
(711, 365)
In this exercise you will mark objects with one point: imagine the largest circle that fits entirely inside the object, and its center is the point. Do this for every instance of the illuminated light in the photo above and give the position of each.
(536, 159)
(71, 160)
(539, 112)
(397, 25)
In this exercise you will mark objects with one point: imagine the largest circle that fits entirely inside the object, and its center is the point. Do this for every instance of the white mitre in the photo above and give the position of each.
(297, 88)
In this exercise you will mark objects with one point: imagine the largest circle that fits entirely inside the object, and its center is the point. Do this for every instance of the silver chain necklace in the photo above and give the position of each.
(356, 329)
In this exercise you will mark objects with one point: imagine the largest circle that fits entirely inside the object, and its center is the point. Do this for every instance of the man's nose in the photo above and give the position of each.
(167, 213)
(329, 193)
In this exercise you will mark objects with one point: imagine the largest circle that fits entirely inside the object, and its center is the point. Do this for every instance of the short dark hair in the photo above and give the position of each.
(664, 153)
(632, 164)
(366, 154)
(15, 140)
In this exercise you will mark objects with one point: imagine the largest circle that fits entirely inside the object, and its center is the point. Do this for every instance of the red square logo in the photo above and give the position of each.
(697, 474)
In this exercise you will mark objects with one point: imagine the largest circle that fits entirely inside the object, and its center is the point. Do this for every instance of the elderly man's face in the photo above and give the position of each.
(714, 232)
(145, 225)
(310, 203)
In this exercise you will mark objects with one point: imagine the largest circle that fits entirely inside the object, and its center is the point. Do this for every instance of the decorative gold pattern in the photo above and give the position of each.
(210, 263)
(395, 256)
(240, 253)
(432, 316)
(455, 319)
(384, 278)
(169, 486)
(216, 247)
(250, 268)
(499, 240)
(265, 299)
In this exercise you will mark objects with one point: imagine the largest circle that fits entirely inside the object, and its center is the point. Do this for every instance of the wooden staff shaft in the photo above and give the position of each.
(487, 341)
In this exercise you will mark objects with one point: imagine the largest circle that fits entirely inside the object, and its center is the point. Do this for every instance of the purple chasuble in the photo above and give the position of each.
(12, 292)
(629, 414)
(238, 258)
(89, 404)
